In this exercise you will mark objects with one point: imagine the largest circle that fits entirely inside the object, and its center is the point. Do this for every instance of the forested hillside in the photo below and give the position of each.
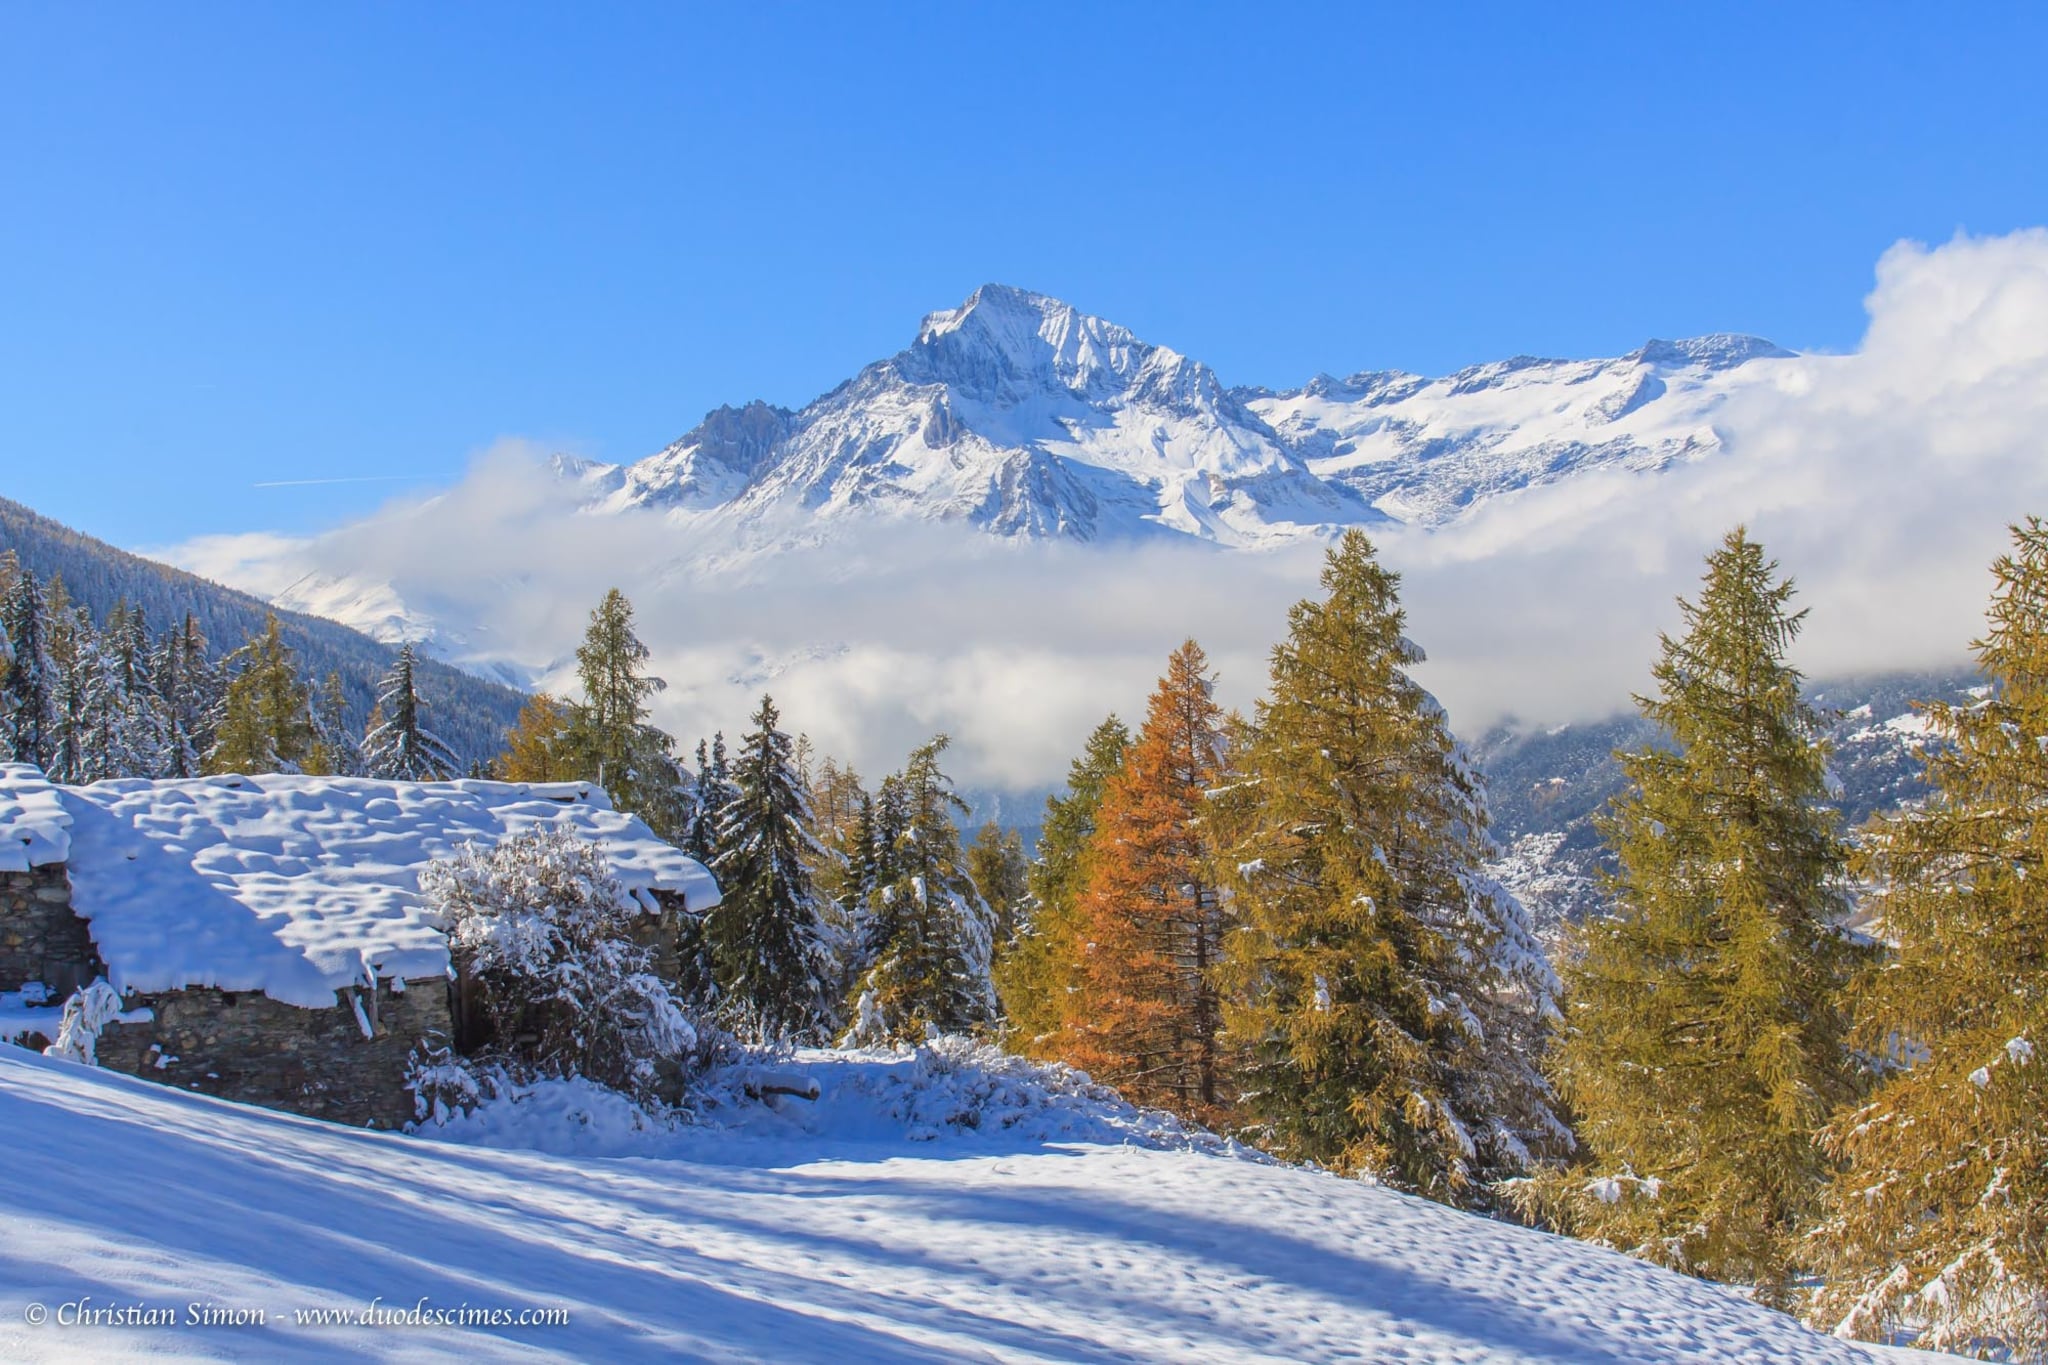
(471, 714)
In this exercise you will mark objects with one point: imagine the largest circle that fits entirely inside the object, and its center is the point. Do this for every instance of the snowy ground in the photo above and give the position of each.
(873, 1225)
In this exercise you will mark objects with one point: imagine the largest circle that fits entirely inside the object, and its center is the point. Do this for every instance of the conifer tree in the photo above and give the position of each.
(538, 747)
(74, 652)
(1385, 996)
(145, 728)
(266, 723)
(840, 865)
(336, 753)
(932, 928)
(996, 862)
(27, 702)
(1938, 1219)
(193, 694)
(1037, 969)
(1706, 1038)
(713, 792)
(112, 722)
(402, 749)
(766, 936)
(614, 742)
(1146, 1017)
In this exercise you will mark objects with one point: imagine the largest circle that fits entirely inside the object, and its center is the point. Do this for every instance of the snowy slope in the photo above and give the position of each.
(1427, 450)
(785, 1245)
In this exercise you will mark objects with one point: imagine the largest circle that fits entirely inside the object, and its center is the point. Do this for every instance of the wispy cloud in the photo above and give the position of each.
(1882, 480)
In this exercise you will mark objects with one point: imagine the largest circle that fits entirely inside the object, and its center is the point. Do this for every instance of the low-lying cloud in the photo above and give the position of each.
(1882, 480)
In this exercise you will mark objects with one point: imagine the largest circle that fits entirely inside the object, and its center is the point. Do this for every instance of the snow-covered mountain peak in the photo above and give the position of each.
(1006, 346)
(1714, 351)
(1022, 417)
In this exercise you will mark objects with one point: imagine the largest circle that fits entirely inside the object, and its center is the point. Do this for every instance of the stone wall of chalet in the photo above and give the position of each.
(40, 938)
(248, 1047)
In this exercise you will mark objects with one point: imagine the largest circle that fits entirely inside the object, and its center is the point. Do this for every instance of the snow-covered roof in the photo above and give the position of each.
(292, 885)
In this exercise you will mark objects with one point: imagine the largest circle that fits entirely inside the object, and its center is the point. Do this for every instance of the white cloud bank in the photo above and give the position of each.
(1882, 480)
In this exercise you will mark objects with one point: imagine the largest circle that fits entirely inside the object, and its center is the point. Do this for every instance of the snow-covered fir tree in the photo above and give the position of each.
(1386, 998)
(933, 933)
(193, 692)
(336, 750)
(28, 707)
(710, 793)
(74, 650)
(402, 748)
(766, 937)
(145, 722)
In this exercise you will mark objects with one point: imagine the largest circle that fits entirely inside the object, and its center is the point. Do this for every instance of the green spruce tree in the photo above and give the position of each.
(1385, 998)
(997, 863)
(1706, 1038)
(1940, 1217)
(932, 933)
(402, 748)
(766, 937)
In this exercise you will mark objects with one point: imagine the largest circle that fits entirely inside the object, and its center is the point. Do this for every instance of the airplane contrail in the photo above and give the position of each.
(308, 483)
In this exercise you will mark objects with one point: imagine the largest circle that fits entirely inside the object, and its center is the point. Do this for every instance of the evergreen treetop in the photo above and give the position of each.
(401, 748)
(267, 722)
(1387, 997)
(766, 936)
(1706, 1037)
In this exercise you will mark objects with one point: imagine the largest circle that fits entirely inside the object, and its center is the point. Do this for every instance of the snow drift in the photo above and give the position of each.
(877, 1225)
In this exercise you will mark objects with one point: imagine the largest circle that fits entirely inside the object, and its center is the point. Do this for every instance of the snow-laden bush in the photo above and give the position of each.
(538, 923)
(85, 1014)
(956, 1084)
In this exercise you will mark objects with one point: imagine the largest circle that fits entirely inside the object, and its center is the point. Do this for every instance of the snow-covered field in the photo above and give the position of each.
(875, 1224)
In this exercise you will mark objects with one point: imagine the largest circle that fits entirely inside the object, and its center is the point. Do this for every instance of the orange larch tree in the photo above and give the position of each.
(1146, 1017)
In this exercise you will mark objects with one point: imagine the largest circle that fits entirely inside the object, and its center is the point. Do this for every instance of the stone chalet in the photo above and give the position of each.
(266, 934)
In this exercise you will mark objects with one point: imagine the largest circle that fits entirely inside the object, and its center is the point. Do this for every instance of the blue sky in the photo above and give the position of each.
(249, 245)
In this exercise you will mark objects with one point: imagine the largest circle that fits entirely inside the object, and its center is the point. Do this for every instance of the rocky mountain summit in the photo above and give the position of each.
(1026, 418)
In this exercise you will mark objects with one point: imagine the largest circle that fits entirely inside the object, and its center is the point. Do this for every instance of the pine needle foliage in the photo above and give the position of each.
(1038, 968)
(1705, 1042)
(1940, 1219)
(1386, 997)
